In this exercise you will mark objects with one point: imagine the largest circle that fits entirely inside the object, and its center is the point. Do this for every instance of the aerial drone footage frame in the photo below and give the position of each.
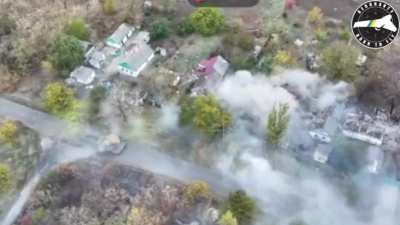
(199, 112)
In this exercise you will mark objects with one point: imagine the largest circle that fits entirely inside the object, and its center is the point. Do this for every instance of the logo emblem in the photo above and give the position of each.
(375, 24)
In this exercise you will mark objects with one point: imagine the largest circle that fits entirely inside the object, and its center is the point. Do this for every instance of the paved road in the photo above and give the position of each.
(79, 142)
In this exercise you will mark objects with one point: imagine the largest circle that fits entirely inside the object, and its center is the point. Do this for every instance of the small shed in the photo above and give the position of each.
(83, 75)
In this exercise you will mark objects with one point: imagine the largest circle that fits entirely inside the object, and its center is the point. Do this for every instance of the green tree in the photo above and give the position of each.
(197, 190)
(78, 28)
(242, 206)
(228, 219)
(5, 179)
(207, 21)
(159, 30)
(66, 54)
(9, 132)
(339, 62)
(278, 121)
(109, 6)
(205, 114)
(58, 99)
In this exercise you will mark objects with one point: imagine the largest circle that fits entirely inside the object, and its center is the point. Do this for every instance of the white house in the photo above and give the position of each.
(120, 36)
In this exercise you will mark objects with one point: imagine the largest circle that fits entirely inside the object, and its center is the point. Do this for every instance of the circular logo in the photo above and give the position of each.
(375, 24)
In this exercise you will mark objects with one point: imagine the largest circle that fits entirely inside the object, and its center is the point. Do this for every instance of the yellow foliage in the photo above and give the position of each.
(283, 58)
(8, 132)
(197, 190)
(315, 16)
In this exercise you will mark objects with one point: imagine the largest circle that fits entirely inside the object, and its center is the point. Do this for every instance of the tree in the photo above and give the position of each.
(278, 121)
(207, 21)
(242, 206)
(8, 133)
(228, 219)
(185, 28)
(339, 62)
(315, 16)
(97, 95)
(7, 25)
(5, 179)
(159, 30)
(196, 191)
(78, 29)
(58, 99)
(109, 6)
(66, 54)
(205, 114)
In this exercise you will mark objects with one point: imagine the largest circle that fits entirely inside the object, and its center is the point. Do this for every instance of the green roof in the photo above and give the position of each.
(125, 65)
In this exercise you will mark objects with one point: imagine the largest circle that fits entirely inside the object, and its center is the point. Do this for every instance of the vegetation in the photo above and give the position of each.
(5, 179)
(265, 65)
(207, 21)
(278, 121)
(284, 59)
(185, 28)
(321, 34)
(9, 133)
(66, 54)
(243, 63)
(315, 16)
(78, 28)
(58, 99)
(109, 6)
(197, 190)
(159, 30)
(242, 206)
(205, 114)
(97, 95)
(339, 62)
(7, 25)
(143, 216)
(228, 219)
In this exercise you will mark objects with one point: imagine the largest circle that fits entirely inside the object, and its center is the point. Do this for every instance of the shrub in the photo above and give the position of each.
(245, 41)
(205, 114)
(38, 216)
(159, 30)
(283, 58)
(265, 64)
(344, 34)
(97, 95)
(228, 219)
(321, 34)
(109, 6)
(207, 21)
(243, 63)
(66, 54)
(58, 99)
(7, 25)
(242, 206)
(8, 133)
(78, 29)
(5, 179)
(197, 190)
(278, 121)
(185, 28)
(315, 16)
(339, 62)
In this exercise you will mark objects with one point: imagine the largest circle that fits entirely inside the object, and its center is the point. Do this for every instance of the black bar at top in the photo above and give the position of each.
(223, 3)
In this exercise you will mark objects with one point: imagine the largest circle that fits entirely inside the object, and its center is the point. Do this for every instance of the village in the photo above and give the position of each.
(118, 83)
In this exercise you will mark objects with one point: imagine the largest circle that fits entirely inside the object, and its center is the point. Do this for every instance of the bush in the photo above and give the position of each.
(159, 30)
(66, 54)
(185, 28)
(97, 95)
(8, 133)
(38, 216)
(243, 63)
(278, 121)
(7, 25)
(109, 6)
(5, 179)
(205, 114)
(207, 21)
(228, 219)
(321, 34)
(245, 41)
(339, 62)
(344, 34)
(78, 29)
(315, 16)
(197, 190)
(242, 206)
(283, 58)
(265, 64)
(58, 99)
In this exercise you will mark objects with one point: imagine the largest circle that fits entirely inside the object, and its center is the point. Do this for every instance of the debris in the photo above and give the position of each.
(321, 136)
(298, 42)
